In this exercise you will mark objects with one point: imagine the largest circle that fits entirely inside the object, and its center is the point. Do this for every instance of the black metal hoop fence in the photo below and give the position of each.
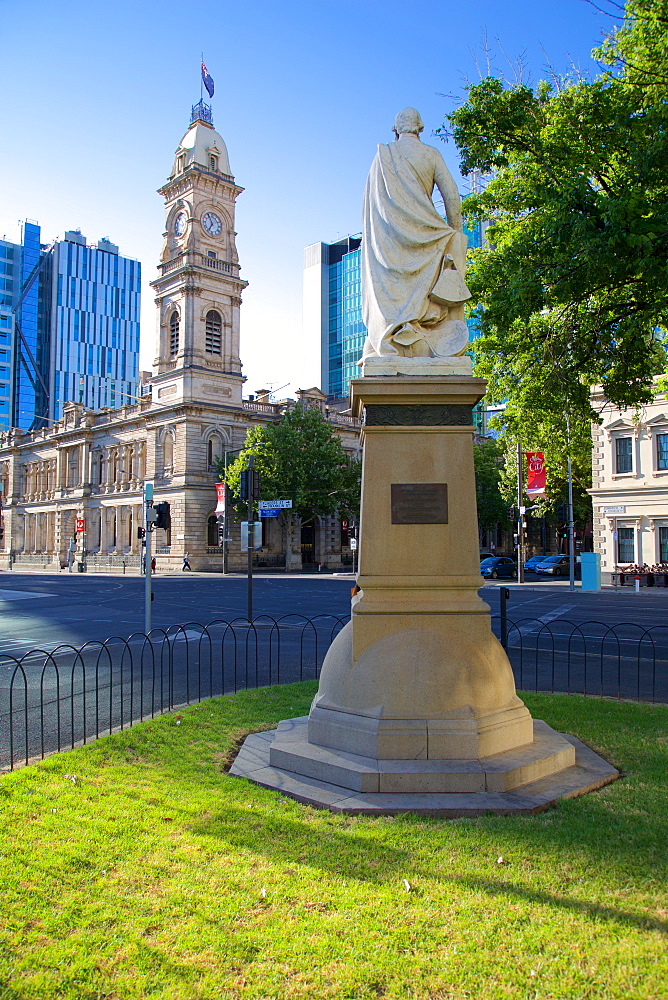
(54, 700)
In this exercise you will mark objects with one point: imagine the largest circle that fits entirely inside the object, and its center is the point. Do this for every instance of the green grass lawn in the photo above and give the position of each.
(135, 867)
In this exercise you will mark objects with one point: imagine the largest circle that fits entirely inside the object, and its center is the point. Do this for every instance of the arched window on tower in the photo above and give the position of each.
(213, 162)
(214, 330)
(173, 334)
(168, 454)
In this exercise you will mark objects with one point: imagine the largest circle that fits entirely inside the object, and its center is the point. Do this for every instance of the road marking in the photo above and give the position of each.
(536, 623)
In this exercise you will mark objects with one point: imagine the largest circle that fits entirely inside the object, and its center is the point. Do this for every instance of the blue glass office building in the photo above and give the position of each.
(69, 327)
(9, 262)
(95, 324)
(333, 311)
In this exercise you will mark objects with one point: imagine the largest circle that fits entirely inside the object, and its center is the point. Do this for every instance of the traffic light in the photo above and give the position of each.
(562, 512)
(221, 532)
(250, 485)
(141, 532)
(162, 520)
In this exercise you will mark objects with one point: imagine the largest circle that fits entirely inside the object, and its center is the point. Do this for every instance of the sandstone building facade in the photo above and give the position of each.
(88, 470)
(630, 485)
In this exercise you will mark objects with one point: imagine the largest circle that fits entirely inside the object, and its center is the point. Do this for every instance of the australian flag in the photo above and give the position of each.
(208, 80)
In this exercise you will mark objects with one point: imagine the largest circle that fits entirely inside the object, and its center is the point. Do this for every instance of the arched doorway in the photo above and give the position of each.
(212, 531)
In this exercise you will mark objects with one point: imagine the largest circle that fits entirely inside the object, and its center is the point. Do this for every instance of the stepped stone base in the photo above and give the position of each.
(525, 780)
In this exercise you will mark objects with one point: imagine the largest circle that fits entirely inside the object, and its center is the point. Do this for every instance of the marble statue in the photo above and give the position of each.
(413, 262)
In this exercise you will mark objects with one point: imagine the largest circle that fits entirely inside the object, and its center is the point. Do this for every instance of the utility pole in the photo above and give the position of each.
(251, 517)
(571, 528)
(226, 524)
(226, 515)
(149, 518)
(520, 515)
(226, 519)
(571, 522)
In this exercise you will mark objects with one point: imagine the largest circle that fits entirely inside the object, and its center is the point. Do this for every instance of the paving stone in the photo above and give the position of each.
(589, 772)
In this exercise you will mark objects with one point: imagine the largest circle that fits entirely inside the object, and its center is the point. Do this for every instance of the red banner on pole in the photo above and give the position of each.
(220, 496)
(535, 474)
(81, 525)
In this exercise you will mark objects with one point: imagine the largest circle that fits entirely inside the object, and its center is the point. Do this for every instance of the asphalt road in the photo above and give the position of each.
(45, 610)
(40, 611)
(97, 690)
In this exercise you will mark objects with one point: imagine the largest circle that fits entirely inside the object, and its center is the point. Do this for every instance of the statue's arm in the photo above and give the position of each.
(445, 183)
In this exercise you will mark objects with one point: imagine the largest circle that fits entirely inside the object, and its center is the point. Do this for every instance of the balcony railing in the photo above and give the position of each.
(193, 258)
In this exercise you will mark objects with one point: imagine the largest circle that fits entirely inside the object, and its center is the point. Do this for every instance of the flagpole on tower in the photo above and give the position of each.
(201, 81)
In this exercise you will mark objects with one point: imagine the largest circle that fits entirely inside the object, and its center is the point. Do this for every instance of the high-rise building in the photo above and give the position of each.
(69, 327)
(94, 351)
(9, 262)
(333, 311)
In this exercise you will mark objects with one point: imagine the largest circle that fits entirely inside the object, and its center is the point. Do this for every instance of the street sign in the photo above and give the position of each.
(81, 526)
(615, 509)
(353, 544)
(269, 513)
(275, 504)
(257, 535)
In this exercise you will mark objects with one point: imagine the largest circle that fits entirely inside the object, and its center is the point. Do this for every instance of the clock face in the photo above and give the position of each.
(180, 224)
(212, 224)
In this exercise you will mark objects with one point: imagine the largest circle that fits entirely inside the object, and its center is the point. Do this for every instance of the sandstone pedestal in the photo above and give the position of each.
(416, 695)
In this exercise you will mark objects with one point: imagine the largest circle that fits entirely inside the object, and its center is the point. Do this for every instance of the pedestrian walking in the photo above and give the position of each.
(186, 564)
(153, 565)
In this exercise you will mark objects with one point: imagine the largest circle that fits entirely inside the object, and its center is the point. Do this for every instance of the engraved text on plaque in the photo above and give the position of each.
(419, 503)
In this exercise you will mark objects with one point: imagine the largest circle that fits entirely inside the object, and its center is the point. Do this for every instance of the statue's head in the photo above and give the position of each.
(408, 120)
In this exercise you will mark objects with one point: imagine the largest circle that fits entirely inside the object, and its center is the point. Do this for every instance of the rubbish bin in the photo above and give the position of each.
(81, 567)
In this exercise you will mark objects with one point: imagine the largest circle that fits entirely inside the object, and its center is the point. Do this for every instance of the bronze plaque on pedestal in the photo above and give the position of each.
(419, 503)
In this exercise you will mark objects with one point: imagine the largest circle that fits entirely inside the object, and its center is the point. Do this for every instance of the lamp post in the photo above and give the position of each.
(571, 522)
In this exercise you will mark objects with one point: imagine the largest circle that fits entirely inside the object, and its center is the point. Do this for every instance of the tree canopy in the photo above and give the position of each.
(571, 289)
(300, 458)
(488, 456)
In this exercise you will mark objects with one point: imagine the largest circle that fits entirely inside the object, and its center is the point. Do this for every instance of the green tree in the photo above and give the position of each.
(571, 436)
(488, 457)
(300, 458)
(572, 286)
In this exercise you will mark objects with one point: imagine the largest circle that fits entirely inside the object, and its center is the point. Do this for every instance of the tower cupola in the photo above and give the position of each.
(202, 146)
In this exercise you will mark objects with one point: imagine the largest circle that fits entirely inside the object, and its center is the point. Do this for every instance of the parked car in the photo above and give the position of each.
(486, 555)
(553, 565)
(496, 566)
(530, 564)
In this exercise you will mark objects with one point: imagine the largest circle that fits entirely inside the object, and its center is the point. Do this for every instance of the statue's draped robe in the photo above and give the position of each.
(403, 245)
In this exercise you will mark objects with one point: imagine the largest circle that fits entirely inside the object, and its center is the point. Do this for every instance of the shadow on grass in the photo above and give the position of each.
(343, 853)
(594, 911)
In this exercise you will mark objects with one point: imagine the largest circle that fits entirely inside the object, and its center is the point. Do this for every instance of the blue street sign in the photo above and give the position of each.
(269, 513)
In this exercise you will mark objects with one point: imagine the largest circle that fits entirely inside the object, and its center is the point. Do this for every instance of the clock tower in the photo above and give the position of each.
(198, 290)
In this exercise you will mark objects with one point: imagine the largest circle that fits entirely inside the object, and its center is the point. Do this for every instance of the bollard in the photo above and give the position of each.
(504, 596)
(636, 584)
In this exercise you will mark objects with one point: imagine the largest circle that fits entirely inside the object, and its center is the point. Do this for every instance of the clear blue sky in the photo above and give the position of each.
(96, 96)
